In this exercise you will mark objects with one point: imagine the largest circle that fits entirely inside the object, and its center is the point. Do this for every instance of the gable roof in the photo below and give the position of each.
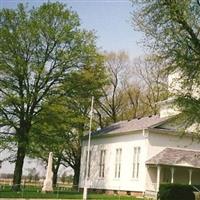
(176, 157)
(131, 125)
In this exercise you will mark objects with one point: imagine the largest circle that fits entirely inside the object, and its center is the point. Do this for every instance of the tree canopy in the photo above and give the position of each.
(62, 125)
(172, 31)
(39, 48)
(134, 88)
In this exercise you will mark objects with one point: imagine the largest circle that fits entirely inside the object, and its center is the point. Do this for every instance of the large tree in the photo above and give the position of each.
(38, 49)
(153, 80)
(173, 31)
(62, 125)
(133, 90)
(111, 104)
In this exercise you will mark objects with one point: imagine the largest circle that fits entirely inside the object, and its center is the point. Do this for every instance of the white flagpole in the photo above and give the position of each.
(88, 153)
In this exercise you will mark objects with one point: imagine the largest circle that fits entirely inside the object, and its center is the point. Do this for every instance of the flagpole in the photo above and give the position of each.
(88, 153)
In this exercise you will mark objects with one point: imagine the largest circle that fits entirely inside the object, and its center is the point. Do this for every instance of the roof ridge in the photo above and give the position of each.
(182, 149)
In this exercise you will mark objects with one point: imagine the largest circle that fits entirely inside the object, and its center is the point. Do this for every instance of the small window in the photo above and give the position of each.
(136, 162)
(102, 163)
(118, 163)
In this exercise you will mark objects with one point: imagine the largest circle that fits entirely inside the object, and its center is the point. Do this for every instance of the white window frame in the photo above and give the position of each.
(118, 158)
(102, 163)
(136, 162)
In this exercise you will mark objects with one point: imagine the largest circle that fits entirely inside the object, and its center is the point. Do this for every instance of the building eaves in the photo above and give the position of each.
(176, 157)
(124, 127)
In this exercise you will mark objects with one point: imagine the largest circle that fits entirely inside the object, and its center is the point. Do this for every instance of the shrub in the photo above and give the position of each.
(176, 192)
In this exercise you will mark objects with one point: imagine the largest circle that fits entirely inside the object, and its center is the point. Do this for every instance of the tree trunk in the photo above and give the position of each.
(55, 170)
(21, 152)
(55, 177)
(76, 176)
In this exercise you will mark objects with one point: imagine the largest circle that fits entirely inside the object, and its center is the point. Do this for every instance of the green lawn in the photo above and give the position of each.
(33, 192)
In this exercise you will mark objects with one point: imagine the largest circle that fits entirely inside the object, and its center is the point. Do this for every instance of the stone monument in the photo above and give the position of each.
(48, 182)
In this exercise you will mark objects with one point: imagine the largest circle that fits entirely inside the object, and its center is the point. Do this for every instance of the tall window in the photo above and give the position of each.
(136, 162)
(118, 162)
(102, 163)
(89, 166)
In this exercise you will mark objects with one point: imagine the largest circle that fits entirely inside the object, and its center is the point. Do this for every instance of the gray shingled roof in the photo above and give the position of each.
(132, 125)
(176, 157)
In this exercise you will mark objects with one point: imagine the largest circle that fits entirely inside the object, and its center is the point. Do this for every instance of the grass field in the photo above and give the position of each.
(33, 192)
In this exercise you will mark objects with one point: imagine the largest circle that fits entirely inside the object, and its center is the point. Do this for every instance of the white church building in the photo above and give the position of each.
(136, 156)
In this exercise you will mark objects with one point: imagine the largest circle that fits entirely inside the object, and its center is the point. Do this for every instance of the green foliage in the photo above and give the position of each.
(59, 193)
(40, 51)
(176, 192)
(133, 90)
(172, 31)
(61, 125)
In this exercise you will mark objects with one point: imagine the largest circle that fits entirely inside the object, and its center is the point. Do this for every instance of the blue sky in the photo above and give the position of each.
(111, 20)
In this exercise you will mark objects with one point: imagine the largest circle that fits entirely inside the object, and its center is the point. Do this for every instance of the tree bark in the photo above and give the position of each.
(55, 177)
(76, 176)
(55, 170)
(21, 152)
